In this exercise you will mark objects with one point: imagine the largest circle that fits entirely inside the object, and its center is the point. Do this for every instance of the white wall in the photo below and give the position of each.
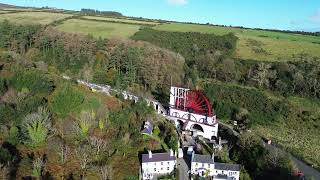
(208, 130)
(197, 167)
(163, 167)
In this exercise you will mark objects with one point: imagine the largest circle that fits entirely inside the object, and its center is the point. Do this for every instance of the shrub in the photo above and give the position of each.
(7, 114)
(36, 127)
(65, 100)
(34, 80)
(3, 87)
(13, 136)
(85, 123)
(262, 109)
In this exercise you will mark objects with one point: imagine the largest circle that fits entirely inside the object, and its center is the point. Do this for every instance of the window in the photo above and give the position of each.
(196, 164)
(155, 164)
(168, 168)
(168, 163)
(161, 169)
(202, 164)
(161, 163)
(155, 169)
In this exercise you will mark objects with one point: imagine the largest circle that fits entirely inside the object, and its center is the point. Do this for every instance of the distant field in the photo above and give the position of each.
(256, 44)
(33, 17)
(1, 12)
(99, 29)
(121, 20)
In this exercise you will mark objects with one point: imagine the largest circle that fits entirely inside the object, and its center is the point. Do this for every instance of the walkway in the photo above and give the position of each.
(183, 169)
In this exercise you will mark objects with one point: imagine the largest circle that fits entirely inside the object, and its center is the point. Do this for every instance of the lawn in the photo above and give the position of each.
(99, 29)
(124, 20)
(33, 17)
(257, 44)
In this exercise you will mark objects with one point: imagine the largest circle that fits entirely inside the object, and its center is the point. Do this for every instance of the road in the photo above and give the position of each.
(303, 167)
(183, 168)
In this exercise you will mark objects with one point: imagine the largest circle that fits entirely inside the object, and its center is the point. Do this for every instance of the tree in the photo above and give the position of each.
(37, 165)
(4, 172)
(98, 144)
(244, 175)
(173, 143)
(85, 123)
(37, 126)
(156, 131)
(105, 172)
(263, 74)
(241, 115)
(84, 154)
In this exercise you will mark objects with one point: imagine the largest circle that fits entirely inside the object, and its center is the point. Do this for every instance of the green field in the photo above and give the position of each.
(256, 44)
(33, 17)
(124, 20)
(301, 137)
(1, 11)
(99, 29)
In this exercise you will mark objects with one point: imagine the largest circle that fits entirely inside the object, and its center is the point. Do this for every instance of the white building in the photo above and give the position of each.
(192, 111)
(204, 166)
(157, 164)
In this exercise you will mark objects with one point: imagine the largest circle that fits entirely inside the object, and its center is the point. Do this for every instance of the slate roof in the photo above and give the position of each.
(148, 127)
(157, 157)
(230, 167)
(222, 176)
(202, 158)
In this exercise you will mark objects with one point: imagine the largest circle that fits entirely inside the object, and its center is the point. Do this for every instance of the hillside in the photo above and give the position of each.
(269, 82)
(253, 44)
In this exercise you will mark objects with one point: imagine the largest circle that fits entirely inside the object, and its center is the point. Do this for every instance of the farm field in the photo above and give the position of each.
(99, 29)
(33, 17)
(120, 20)
(257, 44)
(1, 11)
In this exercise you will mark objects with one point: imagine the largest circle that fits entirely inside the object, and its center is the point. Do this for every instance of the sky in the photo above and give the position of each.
(303, 15)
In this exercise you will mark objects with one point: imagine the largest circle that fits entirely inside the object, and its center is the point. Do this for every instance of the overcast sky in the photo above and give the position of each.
(272, 14)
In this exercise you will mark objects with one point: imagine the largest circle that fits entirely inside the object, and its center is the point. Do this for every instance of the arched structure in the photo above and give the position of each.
(197, 127)
(194, 110)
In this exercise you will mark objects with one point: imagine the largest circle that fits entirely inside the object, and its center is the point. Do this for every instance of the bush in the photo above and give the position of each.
(66, 100)
(262, 109)
(36, 127)
(34, 80)
(3, 87)
(7, 114)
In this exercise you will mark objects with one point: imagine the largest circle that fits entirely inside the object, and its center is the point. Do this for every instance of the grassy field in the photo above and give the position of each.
(33, 17)
(1, 12)
(99, 29)
(124, 20)
(256, 44)
(301, 137)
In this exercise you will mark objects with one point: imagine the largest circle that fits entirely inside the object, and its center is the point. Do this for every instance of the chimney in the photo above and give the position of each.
(150, 154)
(171, 152)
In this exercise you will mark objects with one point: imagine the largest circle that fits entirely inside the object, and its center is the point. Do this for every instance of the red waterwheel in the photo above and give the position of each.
(194, 102)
